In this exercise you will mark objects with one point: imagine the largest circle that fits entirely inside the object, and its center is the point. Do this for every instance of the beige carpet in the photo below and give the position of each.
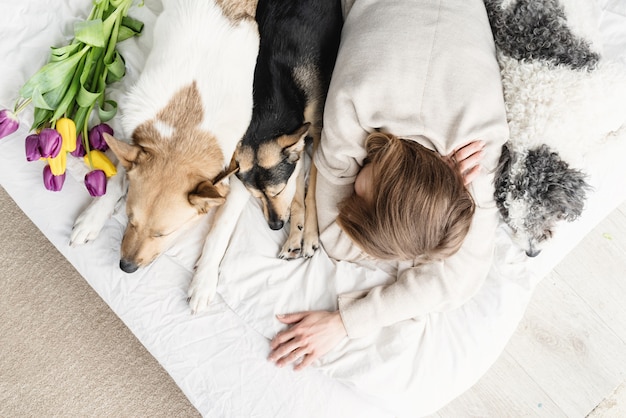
(63, 352)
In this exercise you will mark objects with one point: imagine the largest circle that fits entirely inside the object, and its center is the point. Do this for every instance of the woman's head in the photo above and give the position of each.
(408, 203)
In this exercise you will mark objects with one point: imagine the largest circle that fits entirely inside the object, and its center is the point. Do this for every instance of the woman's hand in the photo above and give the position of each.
(310, 335)
(466, 160)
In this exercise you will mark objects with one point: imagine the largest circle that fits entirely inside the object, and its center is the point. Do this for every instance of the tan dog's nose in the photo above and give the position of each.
(128, 266)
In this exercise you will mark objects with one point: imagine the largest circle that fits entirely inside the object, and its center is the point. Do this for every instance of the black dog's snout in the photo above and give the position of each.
(276, 225)
(128, 266)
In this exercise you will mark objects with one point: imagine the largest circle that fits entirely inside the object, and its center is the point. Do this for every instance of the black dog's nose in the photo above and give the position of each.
(532, 253)
(276, 225)
(128, 266)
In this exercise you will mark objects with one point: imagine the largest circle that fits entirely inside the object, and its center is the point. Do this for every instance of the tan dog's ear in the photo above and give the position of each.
(222, 185)
(207, 195)
(233, 167)
(124, 151)
(293, 144)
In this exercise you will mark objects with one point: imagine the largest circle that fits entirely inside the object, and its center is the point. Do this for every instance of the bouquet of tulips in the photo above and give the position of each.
(69, 89)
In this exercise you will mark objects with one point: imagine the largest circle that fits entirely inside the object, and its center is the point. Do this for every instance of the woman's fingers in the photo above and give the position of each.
(466, 160)
(283, 350)
(468, 150)
(307, 360)
(470, 161)
(293, 356)
(281, 338)
(291, 318)
(470, 175)
(288, 334)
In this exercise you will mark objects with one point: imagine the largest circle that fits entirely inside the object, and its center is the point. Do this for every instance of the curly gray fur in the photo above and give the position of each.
(543, 189)
(537, 30)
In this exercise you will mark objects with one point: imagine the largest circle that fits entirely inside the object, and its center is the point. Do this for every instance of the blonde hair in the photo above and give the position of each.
(420, 206)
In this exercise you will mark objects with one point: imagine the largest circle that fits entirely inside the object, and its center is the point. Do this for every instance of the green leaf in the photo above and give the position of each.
(49, 100)
(130, 27)
(41, 117)
(116, 69)
(52, 75)
(86, 98)
(117, 3)
(132, 24)
(40, 101)
(54, 97)
(125, 33)
(106, 115)
(90, 32)
(92, 62)
(109, 23)
(89, 90)
(59, 54)
(70, 94)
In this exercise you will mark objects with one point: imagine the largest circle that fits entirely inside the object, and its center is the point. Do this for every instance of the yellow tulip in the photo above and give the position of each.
(67, 128)
(100, 162)
(58, 163)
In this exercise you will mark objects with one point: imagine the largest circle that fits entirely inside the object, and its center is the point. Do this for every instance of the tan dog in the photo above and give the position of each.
(173, 178)
(187, 113)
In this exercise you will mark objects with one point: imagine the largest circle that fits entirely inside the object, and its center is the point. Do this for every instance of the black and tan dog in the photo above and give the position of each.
(298, 46)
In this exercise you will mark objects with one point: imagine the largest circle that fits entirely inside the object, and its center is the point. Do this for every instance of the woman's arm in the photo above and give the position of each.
(433, 287)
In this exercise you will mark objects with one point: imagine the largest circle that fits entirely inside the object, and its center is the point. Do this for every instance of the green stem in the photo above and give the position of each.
(86, 140)
(21, 106)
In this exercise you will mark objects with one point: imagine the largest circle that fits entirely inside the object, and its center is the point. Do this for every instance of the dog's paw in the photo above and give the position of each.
(310, 245)
(290, 251)
(87, 226)
(292, 248)
(200, 294)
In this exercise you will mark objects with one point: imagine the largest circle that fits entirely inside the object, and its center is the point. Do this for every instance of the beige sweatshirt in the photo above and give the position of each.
(423, 70)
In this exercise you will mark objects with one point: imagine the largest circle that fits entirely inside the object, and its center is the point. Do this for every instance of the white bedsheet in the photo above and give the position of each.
(219, 358)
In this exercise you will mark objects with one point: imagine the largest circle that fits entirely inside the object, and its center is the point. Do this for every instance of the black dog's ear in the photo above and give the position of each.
(293, 143)
(557, 187)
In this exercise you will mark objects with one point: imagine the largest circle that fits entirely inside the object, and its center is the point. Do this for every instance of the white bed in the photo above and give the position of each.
(218, 358)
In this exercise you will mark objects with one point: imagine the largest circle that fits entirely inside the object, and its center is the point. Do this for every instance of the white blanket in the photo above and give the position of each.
(219, 358)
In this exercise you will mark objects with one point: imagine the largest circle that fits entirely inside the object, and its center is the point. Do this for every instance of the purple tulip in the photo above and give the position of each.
(8, 123)
(96, 136)
(52, 182)
(32, 148)
(50, 143)
(80, 149)
(96, 183)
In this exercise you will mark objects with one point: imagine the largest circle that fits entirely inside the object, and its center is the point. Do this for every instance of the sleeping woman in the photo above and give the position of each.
(414, 80)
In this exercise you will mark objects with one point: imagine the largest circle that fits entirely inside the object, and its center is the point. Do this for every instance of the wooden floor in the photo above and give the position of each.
(568, 355)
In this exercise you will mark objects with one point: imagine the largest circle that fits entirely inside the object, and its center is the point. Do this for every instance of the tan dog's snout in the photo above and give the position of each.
(146, 252)
(138, 249)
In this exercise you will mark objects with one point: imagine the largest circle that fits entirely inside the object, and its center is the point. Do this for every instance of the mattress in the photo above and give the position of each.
(218, 358)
